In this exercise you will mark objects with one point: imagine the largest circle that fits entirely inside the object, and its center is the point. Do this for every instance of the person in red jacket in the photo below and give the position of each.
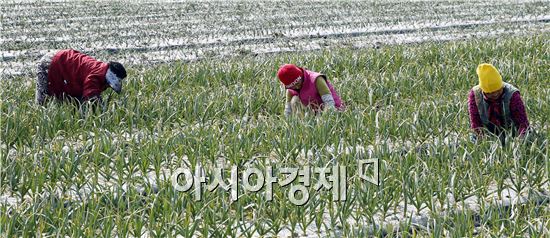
(69, 74)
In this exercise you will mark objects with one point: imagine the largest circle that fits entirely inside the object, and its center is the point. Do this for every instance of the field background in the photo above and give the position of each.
(149, 32)
(202, 90)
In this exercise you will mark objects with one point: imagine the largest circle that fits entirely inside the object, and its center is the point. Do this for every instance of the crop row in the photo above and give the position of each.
(168, 49)
(244, 20)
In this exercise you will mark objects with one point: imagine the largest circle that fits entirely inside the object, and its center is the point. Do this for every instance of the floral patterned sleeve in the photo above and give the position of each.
(519, 116)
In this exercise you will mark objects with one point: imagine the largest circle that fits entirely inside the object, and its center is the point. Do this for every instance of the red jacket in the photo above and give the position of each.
(76, 74)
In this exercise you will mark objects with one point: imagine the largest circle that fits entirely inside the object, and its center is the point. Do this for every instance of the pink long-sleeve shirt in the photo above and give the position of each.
(517, 112)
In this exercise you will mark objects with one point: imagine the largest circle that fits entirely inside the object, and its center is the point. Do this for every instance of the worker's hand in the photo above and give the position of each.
(530, 136)
(329, 109)
(288, 109)
(477, 137)
(91, 104)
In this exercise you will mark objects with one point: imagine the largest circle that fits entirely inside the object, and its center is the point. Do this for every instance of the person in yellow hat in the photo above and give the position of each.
(495, 106)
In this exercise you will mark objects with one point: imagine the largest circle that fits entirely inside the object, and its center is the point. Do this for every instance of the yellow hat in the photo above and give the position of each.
(489, 78)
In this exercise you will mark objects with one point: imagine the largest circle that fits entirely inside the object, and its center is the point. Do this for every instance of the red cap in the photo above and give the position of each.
(288, 74)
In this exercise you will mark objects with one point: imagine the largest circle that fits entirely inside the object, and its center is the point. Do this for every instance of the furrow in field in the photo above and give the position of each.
(306, 31)
(147, 55)
(251, 18)
(14, 38)
(91, 8)
(239, 40)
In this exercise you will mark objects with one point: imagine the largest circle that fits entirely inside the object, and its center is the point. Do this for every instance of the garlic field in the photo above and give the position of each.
(201, 91)
(147, 32)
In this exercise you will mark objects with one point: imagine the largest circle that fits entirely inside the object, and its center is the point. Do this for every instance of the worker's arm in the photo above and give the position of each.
(475, 119)
(91, 95)
(325, 93)
(519, 116)
(288, 106)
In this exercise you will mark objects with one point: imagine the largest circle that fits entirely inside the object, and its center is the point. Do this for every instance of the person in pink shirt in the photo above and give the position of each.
(495, 106)
(313, 90)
